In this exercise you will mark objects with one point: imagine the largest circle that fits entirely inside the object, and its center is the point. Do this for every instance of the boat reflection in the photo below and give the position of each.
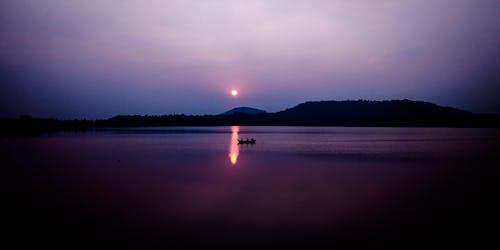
(234, 151)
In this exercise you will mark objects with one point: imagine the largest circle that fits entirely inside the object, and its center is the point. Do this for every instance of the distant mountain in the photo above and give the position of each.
(395, 113)
(244, 110)
(376, 113)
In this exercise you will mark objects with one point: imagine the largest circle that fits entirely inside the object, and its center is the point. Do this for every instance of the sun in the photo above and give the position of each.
(234, 92)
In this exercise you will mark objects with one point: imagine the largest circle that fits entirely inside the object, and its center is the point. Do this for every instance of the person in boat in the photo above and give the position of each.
(247, 141)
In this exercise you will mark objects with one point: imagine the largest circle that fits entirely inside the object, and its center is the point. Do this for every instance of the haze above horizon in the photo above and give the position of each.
(97, 59)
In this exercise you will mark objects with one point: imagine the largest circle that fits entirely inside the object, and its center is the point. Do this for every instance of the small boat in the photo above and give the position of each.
(247, 141)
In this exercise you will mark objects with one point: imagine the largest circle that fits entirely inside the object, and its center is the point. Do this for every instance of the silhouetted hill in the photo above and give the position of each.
(395, 113)
(375, 113)
(244, 110)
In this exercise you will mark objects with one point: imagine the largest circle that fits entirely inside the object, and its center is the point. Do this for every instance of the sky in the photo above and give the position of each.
(97, 59)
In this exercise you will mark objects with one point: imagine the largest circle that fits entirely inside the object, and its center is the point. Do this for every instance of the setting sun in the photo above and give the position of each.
(234, 92)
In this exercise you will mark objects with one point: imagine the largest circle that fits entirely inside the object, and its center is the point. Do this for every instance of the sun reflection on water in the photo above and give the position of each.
(234, 151)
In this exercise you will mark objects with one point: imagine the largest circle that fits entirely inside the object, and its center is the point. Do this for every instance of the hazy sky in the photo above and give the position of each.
(96, 59)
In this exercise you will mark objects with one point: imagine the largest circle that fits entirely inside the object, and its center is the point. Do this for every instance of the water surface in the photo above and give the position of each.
(296, 184)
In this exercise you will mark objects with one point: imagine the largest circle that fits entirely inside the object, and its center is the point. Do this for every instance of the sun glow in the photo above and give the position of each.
(234, 151)
(234, 92)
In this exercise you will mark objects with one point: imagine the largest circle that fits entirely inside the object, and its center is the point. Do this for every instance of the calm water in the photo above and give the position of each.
(161, 186)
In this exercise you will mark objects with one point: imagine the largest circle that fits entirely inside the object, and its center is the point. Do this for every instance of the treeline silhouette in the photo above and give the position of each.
(394, 113)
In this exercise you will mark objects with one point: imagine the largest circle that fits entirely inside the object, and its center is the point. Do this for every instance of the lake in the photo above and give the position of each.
(298, 185)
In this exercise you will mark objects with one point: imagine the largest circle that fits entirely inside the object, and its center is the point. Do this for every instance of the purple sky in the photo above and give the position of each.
(97, 59)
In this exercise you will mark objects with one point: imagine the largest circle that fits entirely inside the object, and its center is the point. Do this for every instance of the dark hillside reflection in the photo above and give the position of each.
(335, 185)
